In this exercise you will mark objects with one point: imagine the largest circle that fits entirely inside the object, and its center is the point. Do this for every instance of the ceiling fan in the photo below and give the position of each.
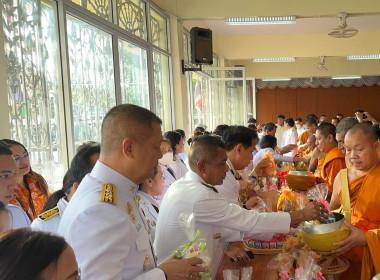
(343, 31)
(321, 64)
(310, 82)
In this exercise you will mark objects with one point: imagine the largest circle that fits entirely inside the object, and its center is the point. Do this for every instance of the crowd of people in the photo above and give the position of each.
(117, 214)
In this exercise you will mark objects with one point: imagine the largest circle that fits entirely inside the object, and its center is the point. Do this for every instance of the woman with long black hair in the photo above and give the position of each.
(32, 189)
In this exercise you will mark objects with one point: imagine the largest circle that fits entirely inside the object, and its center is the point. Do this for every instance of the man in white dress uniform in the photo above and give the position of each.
(217, 220)
(103, 222)
(240, 141)
(8, 169)
(289, 137)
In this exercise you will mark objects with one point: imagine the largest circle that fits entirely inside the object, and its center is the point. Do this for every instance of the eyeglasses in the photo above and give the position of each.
(18, 158)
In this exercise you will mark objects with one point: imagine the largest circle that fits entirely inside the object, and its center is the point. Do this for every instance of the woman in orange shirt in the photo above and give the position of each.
(32, 190)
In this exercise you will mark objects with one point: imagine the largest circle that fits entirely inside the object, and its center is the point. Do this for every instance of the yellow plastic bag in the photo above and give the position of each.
(287, 201)
(269, 170)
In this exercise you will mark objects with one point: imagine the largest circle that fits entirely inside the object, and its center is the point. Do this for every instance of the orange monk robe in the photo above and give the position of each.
(333, 163)
(365, 215)
(319, 166)
(302, 139)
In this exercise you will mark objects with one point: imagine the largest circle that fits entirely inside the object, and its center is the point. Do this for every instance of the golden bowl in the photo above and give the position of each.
(300, 180)
(321, 237)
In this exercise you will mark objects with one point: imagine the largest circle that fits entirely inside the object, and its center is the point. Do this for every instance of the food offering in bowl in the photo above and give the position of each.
(321, 237)
(300, 180)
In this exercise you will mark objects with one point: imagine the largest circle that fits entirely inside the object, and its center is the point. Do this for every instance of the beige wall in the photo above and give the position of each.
(241, 49)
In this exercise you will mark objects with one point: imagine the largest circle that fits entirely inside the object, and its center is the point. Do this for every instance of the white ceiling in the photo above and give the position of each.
(302, 26)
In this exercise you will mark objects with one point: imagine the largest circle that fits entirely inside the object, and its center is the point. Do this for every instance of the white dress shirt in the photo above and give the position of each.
(277, 157)
(19, 217)
(51, 224)
(280, 134)
(146, 203)
(302, 130)
(290, 137)
(217, 220)
(110, 240)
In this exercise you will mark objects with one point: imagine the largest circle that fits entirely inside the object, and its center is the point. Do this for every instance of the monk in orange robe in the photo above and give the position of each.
(362, 246)
(341, 129)
(334, 160)
(311, 127)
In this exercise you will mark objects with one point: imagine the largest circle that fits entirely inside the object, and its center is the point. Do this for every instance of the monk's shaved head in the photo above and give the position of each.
(204, 148)
(312, 116)
(368, 131)
(345, 124)
(311, 121)
(326, 129)
(311, 139)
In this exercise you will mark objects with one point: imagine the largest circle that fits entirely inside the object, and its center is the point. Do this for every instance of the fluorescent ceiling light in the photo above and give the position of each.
(276, 79)
(365, 56)
(346, 77)
(275, 59)
(260, 20)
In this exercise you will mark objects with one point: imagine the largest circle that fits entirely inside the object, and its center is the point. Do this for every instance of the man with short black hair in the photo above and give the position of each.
(270, 129)
(8, 169)
(290, 136)
(240, 143)
(299, 126)
(339, 116)
(252, 121)
(322, 119)
(335, 121)
(280, 129)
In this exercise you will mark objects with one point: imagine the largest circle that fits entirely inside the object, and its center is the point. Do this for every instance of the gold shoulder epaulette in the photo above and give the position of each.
(49, 214)
(108, 193)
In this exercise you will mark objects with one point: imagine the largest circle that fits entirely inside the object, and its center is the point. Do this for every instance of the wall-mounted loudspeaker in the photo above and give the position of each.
(201, 46)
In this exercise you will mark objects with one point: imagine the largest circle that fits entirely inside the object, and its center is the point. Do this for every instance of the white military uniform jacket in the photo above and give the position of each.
(169, 179)
(179, 167)
(280, 134)
(108, 230)
(230, 187)
(50, 219)
(218, 220)
(277, 157)
(19, 217)
(290, 137)
(146, 202)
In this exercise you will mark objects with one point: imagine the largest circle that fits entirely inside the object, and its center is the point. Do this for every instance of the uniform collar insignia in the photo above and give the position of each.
(210, 187)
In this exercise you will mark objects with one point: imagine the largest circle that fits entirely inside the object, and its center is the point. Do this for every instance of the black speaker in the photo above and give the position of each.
(201, 46)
